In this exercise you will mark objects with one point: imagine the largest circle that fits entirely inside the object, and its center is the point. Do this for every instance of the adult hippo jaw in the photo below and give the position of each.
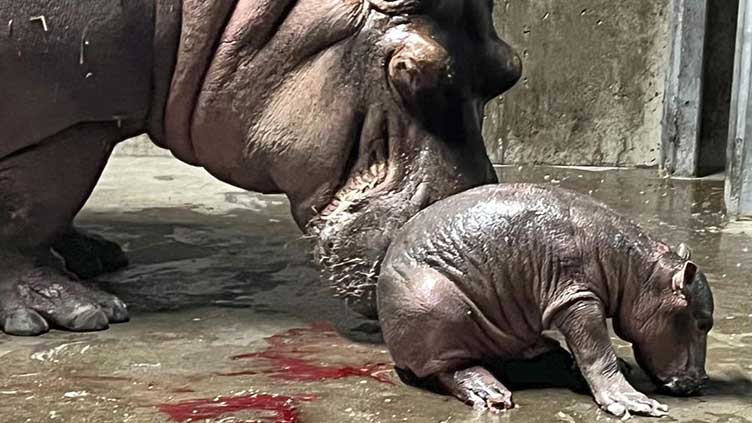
(417, 140)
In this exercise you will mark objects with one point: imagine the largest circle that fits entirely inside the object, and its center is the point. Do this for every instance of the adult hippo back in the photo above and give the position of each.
(361, 111)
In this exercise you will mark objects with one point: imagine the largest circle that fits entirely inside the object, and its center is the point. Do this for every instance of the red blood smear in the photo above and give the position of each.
(295, 369)
(286, 354)
(277, 408)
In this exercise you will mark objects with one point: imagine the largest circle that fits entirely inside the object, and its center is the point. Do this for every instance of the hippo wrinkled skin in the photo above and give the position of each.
(475, 278)
(362, 112)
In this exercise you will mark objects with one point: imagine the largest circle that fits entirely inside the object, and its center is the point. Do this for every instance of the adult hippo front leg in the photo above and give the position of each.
(41, 190)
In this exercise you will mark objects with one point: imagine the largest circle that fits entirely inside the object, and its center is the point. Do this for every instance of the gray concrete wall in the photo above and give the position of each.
(593, 83)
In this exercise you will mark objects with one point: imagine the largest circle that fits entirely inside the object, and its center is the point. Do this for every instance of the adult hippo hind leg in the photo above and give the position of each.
(41, 189)
(88, 255)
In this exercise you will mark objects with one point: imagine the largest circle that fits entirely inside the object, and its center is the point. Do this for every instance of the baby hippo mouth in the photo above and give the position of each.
(686, 386)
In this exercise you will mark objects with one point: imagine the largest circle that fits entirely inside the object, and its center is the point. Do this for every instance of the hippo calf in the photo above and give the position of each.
(478, 276)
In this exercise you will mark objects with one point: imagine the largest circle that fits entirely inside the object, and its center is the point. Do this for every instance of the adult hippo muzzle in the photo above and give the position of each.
(361, 112)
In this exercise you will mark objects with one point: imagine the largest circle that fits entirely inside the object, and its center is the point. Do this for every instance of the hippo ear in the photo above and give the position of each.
(684, 277)
(684, 251)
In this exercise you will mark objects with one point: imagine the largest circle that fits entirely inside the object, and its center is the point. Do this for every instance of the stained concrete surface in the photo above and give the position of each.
(230, 323)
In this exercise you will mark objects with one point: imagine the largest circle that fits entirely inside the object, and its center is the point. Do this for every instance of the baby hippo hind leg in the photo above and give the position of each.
(435, 341)
(477, 387)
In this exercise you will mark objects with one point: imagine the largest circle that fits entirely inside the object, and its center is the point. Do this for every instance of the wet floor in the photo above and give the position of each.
(230, 324)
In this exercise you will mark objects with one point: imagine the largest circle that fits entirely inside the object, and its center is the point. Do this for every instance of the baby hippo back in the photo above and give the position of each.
(478, 273)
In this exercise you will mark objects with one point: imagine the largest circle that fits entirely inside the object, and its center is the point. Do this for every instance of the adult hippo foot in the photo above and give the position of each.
(34, 299)
(88, 255)
(624, 401)
(477, 387)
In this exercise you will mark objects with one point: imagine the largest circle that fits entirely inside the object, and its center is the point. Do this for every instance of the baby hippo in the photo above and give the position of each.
(474, 280)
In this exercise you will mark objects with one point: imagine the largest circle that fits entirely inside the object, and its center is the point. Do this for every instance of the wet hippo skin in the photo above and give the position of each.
(474, 279)
(361, 111)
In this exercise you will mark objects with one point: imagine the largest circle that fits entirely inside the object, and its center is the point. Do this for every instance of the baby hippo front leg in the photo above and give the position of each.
(584, 326)
(478, 388)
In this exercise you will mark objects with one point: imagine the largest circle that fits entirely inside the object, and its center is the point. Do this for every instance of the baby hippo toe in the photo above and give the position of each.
(477, 387)
(496, 398)
(623, 403)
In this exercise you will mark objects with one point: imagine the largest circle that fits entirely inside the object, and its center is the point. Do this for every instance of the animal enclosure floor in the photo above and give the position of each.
(229, 322)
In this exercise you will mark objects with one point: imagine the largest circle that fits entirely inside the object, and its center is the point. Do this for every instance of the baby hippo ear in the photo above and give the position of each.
(684, 277)
(684, 251)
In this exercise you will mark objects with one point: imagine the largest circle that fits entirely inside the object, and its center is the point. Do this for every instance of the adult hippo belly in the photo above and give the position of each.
(378, 101)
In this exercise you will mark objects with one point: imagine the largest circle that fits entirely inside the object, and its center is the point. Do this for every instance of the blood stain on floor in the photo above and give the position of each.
(289, 358)
(270, 408)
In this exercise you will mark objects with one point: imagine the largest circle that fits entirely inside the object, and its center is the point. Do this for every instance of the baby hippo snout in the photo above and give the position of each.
(688, 385)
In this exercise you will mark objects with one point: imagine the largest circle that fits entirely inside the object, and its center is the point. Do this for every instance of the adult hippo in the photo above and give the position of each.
(361, 111)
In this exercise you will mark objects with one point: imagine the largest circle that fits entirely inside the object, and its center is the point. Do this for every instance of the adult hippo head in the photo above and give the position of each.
(361, 112)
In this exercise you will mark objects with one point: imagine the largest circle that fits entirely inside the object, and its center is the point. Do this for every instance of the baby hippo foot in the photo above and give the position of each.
(88, 255)
(477, 387)
(36, 299)
(621, 401)
(580, 383)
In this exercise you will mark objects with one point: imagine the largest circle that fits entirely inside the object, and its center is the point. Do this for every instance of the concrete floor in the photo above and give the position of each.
(230, 324)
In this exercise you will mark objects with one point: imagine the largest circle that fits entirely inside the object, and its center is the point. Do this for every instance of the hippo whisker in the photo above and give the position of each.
(41, 19)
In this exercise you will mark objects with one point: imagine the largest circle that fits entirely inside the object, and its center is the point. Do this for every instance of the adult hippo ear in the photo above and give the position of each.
(684, 251)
